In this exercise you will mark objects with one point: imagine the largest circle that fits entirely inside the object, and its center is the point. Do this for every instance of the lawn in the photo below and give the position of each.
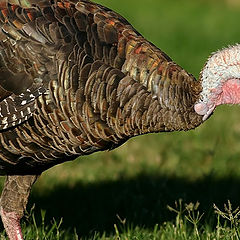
(148, 188)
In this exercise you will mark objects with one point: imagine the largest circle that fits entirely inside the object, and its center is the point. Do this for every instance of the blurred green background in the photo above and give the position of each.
(139, 179)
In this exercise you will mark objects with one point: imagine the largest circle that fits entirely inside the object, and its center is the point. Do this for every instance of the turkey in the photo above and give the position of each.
(76, 78)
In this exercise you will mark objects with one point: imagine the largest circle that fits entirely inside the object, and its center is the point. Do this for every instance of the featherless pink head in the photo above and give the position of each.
(220, 79)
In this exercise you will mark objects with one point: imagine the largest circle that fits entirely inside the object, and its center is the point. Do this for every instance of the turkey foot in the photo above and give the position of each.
(13, 203)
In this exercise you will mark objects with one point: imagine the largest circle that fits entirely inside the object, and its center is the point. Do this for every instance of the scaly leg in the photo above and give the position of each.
(13, 203)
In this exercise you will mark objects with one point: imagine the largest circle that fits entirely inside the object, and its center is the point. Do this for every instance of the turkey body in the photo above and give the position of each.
(76, 78)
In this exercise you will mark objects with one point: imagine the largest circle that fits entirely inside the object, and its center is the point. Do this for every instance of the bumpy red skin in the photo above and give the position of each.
(12, 225)
(228, 93)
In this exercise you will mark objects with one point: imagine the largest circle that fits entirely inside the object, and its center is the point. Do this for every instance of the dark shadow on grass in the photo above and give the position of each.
(141, 201)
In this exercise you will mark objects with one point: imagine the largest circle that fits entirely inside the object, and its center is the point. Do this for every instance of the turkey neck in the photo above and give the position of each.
(156, 100)
(170, 92)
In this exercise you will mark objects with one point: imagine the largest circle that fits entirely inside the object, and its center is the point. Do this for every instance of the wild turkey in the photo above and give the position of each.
(76, 78)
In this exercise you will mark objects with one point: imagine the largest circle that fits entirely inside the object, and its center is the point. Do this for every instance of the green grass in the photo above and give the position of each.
(124, 194)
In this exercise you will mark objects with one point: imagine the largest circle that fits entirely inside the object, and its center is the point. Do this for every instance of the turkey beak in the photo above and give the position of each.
(204, 110)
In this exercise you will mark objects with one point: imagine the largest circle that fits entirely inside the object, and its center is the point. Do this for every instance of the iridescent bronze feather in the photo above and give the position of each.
(76, 78)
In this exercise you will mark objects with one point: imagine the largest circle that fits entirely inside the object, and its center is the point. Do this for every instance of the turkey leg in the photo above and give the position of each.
(13, 203)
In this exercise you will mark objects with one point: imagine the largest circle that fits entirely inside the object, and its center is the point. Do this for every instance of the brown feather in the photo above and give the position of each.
(76, 78)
